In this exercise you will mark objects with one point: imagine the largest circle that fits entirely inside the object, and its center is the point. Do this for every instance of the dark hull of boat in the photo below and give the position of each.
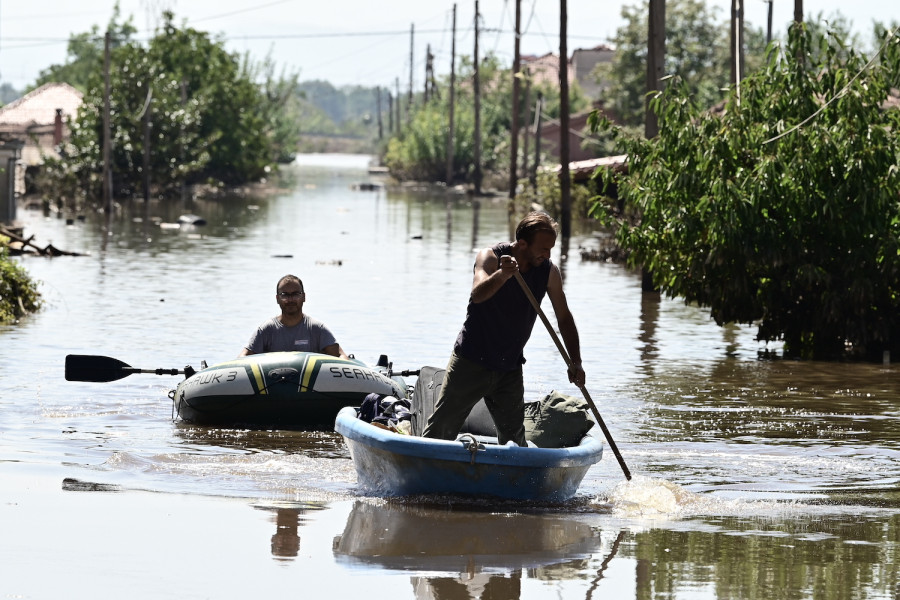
(280, 390)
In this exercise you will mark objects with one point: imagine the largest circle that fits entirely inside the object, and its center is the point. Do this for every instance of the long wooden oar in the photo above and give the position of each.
(565, 355)
(84, 367)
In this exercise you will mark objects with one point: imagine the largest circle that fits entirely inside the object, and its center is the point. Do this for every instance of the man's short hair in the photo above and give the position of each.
(533, 223)
(288, 278)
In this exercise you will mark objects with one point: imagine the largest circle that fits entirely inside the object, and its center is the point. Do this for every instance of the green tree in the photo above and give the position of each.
(328, 99)
(348, 111)
(84, 53)
(697, 51)
(782, 210)
(8, 93)
(214, 117)
(419, 152)
(18, 292)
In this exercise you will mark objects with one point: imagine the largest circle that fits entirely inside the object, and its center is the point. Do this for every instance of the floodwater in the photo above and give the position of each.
(753, 477)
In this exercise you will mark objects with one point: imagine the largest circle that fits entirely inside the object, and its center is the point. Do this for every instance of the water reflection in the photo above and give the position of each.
(285, 542)
(315, 444)
(488, 551)
(647, 333)
(825, 557)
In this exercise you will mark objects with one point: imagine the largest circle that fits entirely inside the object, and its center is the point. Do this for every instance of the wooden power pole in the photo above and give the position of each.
(538, 107)
(514, 129)
(656, 54)
(452, 100)
(147, 120)
(378, 111)
(409, 100)
(476, 90)
(107, 143)
(397, 89)
(737, 42)
(565, 183)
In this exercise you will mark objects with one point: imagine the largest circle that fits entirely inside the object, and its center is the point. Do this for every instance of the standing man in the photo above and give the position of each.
(292, 330)
(487, 357)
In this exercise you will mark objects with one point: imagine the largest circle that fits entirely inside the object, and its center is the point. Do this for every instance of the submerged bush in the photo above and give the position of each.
(18, 291)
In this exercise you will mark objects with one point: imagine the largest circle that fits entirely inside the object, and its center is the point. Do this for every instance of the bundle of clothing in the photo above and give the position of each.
(387, 412)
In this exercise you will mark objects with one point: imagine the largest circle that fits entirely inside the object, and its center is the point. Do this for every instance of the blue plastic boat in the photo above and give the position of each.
(395, 464)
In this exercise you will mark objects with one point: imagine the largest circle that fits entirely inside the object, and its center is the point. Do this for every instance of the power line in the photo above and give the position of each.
(237, 12)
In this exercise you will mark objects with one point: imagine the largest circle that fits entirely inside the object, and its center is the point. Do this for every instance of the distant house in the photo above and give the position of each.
(583, 62)
(39, 120)
(545, 69)
(579, 146)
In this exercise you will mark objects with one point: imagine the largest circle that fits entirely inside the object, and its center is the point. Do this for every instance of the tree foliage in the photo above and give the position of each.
(697, 50)
(18, 292)
(214, 117)
(84, 53)
(419, 152)
(783, 209)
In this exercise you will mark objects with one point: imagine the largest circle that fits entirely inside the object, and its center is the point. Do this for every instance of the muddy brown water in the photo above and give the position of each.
(754, 478)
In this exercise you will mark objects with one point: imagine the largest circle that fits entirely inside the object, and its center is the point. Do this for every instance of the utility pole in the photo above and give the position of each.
(107, 183)
(148, 124)
(769, 28)
(565, 183)
(397, 85)
(476, 86)
(538, 107)
(409, 101)
(390, 99)
(184, 99)
(378, 108)
(514, 130)
(450, 132)
(429, 74)
(798, 11)
(737, 44)
(656, 54)
(526, 104)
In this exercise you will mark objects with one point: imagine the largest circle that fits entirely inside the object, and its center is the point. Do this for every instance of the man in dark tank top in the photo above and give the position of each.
(488, 354)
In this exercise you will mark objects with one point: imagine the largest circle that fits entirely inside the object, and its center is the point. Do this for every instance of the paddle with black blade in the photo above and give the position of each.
(85, 367)
(565, 355)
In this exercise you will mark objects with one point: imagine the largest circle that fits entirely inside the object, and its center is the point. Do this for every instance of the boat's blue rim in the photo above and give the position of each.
(588, 452)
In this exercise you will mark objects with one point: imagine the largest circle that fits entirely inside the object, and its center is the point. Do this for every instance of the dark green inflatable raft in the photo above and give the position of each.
(285, 390)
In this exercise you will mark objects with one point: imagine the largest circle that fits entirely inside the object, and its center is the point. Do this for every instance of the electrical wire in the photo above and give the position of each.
(840, 93)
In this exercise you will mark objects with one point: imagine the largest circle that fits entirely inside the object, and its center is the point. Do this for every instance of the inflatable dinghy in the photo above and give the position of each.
(280, 389)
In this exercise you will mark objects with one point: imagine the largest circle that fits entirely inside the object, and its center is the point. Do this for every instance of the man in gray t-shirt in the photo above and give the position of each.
(292, 330)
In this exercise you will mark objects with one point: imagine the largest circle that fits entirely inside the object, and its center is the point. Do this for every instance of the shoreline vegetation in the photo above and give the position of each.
(19, 295)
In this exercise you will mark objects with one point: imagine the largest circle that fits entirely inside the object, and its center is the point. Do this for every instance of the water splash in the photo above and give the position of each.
(652, 497)
(647, 496)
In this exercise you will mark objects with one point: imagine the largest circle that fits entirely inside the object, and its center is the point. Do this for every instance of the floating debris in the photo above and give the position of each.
(19, 245)
(191, 220)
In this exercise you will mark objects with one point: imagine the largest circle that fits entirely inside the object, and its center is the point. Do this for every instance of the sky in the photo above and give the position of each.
(364, 42)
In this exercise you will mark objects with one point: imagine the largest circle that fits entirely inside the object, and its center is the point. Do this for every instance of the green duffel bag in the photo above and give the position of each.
(557, 421)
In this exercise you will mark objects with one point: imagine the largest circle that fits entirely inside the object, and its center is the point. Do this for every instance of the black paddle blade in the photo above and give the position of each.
(84, 367)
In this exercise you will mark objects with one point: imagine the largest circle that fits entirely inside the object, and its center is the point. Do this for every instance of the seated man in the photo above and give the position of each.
(292, 330)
